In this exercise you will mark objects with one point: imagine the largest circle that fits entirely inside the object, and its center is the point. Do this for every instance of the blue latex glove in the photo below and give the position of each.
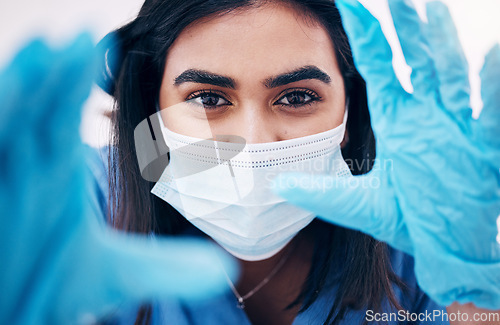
(59, 265)
(434, 191)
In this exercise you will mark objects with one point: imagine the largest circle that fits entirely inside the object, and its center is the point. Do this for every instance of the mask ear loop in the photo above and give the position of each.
(346, 112)
(346, 115)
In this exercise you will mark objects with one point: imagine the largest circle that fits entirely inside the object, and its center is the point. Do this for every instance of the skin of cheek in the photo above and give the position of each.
(249, 47)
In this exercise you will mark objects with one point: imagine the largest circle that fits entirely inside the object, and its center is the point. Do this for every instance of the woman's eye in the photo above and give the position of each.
(210, 100)
(297, 98)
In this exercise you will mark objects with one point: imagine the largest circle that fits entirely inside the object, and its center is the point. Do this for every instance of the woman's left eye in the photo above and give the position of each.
(297, 98)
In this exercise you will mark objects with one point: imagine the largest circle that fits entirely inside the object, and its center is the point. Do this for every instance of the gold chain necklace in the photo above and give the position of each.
(241, 299)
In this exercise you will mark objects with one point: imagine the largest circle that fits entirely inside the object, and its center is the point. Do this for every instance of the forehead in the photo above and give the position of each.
(266, 40)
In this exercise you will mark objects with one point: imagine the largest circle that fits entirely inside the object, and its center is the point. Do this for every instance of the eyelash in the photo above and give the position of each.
(313, 97)
(300, 91)
(208, 92)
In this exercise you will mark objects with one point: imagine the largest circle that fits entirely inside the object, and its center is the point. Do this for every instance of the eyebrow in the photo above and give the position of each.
(303, 73)
(205, 77)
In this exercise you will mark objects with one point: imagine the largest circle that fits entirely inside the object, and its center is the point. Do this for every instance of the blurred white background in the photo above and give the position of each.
(59, 20)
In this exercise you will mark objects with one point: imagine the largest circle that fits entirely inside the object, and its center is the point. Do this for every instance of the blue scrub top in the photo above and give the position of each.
(223, 309)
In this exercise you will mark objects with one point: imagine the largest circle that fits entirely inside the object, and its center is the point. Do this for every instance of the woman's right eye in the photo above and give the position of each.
(208, 100)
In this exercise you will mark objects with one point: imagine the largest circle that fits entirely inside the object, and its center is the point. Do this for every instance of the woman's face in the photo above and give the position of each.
(264, 74)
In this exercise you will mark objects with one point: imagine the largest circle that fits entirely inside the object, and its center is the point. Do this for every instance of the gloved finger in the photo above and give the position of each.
(116, 269)
(19, 84)
(489, 120)
(42, 91)
(74, 76)
(450, 62)
(362, 203)
(18, 81)
(42, 95)
(372, 54)
(414, 45)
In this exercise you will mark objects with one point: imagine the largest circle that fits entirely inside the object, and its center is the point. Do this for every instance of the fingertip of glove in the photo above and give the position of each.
(352, 5)
(31, 56)
(356, 18)
(179, 268)
(83, 41)
(491, 64)
(35, 48)
(83, 48)
(437, 13)
(437, 7)
(401, 4)
(202, 270)
(494, 52)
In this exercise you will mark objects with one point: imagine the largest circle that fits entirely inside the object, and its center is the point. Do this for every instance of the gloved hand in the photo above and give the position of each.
(58, 264)
(434, 191)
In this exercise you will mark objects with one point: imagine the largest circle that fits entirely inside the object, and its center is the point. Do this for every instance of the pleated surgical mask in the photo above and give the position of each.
(224, 188)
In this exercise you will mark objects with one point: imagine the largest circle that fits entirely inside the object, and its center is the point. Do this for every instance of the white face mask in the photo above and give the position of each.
(229, 195)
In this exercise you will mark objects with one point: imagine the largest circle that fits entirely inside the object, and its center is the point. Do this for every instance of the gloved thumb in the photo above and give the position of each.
(114, 269)
(363, 203)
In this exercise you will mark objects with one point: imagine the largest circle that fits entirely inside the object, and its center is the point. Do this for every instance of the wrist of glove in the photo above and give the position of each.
(449, 278)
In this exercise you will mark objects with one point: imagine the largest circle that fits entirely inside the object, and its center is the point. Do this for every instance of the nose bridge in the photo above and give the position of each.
(257, 124)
